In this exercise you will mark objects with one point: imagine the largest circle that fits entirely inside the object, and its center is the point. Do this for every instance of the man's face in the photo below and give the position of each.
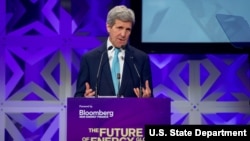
(119, 33)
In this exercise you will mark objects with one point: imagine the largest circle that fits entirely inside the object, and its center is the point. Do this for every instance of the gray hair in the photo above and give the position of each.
(122, 13)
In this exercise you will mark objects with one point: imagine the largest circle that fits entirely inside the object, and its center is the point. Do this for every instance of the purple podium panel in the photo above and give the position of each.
(93, 119)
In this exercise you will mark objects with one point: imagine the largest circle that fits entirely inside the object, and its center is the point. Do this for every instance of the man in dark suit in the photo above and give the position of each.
(134, 73)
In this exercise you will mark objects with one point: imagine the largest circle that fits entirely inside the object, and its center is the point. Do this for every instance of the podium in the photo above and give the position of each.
(114, 118)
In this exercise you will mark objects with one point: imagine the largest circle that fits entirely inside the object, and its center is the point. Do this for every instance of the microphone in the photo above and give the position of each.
(98, 71)
(123, 47)
(140, 89)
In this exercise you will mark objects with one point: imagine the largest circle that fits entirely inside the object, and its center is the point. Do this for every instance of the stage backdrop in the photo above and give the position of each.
(41, 42)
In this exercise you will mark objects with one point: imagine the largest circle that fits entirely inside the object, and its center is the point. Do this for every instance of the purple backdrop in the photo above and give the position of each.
(41, 42)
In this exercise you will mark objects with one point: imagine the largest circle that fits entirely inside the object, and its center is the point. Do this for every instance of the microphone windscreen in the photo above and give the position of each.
(110, 47)
(123, 47)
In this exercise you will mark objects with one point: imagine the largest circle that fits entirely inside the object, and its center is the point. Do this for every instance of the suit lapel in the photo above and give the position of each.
(126, 76)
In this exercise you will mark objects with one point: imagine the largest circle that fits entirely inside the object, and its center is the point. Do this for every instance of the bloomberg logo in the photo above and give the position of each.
(95, 114)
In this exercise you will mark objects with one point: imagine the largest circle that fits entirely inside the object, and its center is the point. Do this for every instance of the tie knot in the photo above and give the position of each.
(117, 50)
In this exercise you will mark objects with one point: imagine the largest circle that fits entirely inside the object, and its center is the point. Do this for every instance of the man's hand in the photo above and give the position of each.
(88, 92)
(146, 92)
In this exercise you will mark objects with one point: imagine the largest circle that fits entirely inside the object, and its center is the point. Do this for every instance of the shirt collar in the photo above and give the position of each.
(109, 44)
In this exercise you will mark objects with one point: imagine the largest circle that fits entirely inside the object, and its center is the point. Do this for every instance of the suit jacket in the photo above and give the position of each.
(130, 79)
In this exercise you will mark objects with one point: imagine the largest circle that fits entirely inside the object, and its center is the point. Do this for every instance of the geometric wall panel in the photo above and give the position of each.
(33, 80)
(213, 84)
(31, 126)
(41, 43)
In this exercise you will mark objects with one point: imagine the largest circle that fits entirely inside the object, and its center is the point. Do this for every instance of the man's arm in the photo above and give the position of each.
(147, 76)
(82, 78)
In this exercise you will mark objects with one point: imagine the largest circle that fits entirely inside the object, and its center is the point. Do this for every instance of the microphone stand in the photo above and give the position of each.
(98, 72)
(140, 90)
(140, 87)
